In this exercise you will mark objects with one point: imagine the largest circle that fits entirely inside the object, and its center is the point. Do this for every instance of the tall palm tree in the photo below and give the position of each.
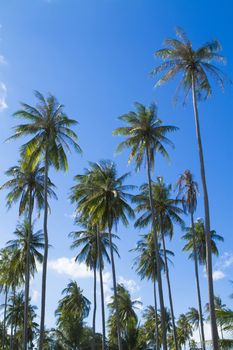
(127, 315)
(146, 135)
(52, 137)
(179, 57)
(167, 210)
(19, 247)
(5, 284)
(101, 195)
(187, 190)
(145, 264)
(184, 330)
(93, 247)
(220, 307)
(193, 317)
(199, 231)
(72, 309)
(26, 186)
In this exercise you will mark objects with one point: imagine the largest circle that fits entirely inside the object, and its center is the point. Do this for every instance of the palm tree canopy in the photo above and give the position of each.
(179, 57)
(18, 247)
(101, 196)
(199, 230)
(187, 190)
(25, 181)
(73, 303)
(144, 131)
(86, 241)
(167, 209)
(126, 306)
(193, 317)
(145, 261)
(51, 131)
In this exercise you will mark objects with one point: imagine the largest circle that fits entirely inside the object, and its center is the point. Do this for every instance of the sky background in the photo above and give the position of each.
(95, 57)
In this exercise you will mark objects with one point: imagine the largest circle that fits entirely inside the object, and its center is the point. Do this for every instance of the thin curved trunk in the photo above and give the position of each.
(160, 287)
(202, 334)
(94, 312)
(169, 288)
(45, 258)
(214, 329)
(27, 275)
(102, 293)
(4, 319)
(156, 318)
(115, 290)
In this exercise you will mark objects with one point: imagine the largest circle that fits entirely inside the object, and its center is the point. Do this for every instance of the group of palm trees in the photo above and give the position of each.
(102, 200)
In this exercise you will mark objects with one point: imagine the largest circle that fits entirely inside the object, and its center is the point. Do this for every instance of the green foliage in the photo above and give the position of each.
(200, 241)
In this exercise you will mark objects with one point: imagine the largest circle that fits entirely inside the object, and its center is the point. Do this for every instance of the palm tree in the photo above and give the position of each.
(145, 264)
(52, 136)
(199, 231)
(94, 250)
(188, 189)
(184, 330)
(219, 307)
(101, 196)
(145, 136)
(193, 317)
(26, 186)
(179, 57)
(127, 315)
(5, 284)
(167, 211)
(19, 247)
(72, 309)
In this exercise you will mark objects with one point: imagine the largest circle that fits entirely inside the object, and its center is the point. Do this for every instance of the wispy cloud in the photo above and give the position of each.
(68, 266)
(3, 95)
(218, 275)
(224, 262)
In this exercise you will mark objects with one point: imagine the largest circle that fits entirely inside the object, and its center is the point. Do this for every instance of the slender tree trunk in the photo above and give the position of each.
(198, 286)
(94, 312)
(214, 329)
(115, 290)
(156, 318)
(27, 275)
(45, 258)
(101, 292)
(169, 287)
(12, 325)
(4, 319)
(160, 287)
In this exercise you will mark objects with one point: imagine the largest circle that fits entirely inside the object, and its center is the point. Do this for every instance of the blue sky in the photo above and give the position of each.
(95, 56)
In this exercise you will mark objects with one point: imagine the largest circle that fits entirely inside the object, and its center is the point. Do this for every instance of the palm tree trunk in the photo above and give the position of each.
(12, 325)
(115, 290)
(160, 287)
(4, 319)
(156, 317)
(198, 286)
(169, 287)
(101, 292)
(45, 258)
(27, 276)
(94, 312)
(214, 329)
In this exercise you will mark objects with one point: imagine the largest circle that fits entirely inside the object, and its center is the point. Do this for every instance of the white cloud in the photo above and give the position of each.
(3, 94)
(2, 59)
(131, 285)
(70, 216)
(218, 275)
(34, 295)
(68, 266)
